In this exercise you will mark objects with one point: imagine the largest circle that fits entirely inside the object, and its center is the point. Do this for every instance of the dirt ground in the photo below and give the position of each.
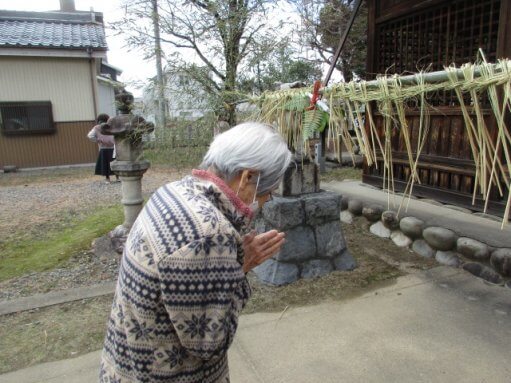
(75, 328)
(34, 202)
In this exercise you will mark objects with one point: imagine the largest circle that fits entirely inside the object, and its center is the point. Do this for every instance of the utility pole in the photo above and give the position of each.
(160, 84)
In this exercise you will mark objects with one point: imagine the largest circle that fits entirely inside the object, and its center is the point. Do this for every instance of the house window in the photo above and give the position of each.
(18, 118)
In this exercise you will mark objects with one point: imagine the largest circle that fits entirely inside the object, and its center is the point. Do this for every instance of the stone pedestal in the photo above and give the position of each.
(301, 177)
(131, 188)
(315, 243)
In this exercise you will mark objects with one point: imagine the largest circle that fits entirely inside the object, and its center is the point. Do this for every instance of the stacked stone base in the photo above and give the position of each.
(315, 244)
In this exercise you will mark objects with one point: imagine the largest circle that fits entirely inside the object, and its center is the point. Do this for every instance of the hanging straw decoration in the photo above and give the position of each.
(351, 106)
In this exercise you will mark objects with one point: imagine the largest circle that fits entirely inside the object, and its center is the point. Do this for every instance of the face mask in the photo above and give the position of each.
(254, 206)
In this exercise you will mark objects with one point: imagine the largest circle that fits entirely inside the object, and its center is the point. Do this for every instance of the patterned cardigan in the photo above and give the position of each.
(181, 286)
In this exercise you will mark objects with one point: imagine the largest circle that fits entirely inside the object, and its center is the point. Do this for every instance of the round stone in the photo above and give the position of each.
(390, 220)
(346, 217)
(355, 206)
(472, 249)
(447, 258)
(400, 239)
(484, 272)
(440, 238)
(380, 230)
(501, 261)
(412, 227)
(422, 248)
(372, 212)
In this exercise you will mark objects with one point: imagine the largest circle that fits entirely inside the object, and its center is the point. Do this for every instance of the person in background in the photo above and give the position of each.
(182, 281)
(106, 145)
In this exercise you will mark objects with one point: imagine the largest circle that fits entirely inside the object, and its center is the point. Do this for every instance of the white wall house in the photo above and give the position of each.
(54, 81)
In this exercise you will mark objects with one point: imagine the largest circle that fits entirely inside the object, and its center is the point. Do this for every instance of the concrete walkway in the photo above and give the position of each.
(442, 325)
(56, 297)
(464, 224)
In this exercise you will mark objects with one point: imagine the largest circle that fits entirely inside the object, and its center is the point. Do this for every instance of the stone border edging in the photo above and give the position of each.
(55, 298)
(491, 264)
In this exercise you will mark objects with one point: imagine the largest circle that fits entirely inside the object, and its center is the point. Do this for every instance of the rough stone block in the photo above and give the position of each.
(330, 240)
(390, 220)
(345, 261)
(300, 245)
(501, 261)
(400, 239)
(346, 217)
(422, 248)
(484, 272)
(472, 249)
(300, 178)
(322, 207)
(380, 230)
(412, 227)
(355, 206)
(283, 213)
(277, 273)
(316, 268)
(103, 247)
(447, 258)
(372, 213)
(440, 238)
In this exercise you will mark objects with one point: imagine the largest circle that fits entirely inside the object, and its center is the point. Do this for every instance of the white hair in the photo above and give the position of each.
(249, 146)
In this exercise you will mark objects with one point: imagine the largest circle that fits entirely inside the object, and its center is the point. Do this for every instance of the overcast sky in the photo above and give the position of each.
(133, 66)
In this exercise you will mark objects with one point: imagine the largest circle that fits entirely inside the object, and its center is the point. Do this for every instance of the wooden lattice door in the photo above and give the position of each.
(408, 36)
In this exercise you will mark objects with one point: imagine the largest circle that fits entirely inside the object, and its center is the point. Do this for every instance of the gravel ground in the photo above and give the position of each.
(34, 207)
(25, 206)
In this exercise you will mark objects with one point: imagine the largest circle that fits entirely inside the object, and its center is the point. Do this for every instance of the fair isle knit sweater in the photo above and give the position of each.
(181, 287)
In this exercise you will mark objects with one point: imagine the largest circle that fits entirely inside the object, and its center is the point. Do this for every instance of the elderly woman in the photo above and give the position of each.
(182, 281)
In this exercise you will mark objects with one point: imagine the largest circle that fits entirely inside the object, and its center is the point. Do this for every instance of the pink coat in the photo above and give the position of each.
(104, 141)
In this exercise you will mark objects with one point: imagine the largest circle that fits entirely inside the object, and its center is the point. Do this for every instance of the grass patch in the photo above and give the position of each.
(27, 254)
(340, 174)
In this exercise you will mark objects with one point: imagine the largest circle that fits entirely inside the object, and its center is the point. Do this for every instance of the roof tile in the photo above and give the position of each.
(52, 34)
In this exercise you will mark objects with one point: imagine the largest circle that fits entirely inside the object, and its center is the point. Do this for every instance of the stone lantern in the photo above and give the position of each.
(129, 163)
